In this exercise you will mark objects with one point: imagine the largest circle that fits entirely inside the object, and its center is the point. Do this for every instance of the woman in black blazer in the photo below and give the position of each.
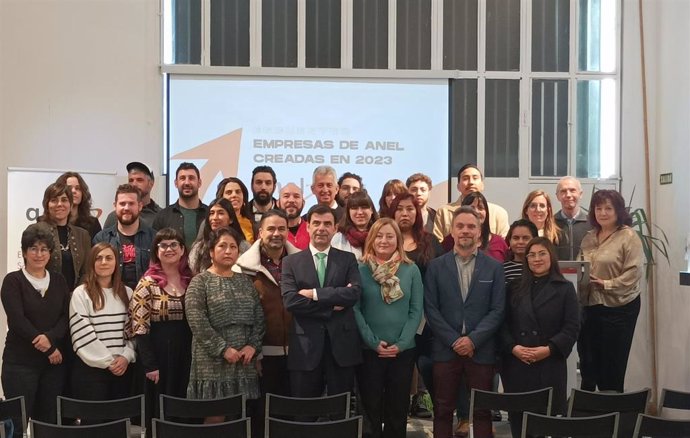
(541, 326)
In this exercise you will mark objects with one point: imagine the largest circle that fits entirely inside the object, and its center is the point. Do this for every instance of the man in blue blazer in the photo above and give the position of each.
(320, 285)
(464, 300)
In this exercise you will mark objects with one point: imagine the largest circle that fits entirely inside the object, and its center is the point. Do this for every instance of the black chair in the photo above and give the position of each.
(232, 408)
(655, 427)
(538, 402)
(602, 426)
(114, 429)
(347, 428)
(628, 404)
(231, 429)
(15, 409)
(104, 410)
(333, 407)
(673, 399)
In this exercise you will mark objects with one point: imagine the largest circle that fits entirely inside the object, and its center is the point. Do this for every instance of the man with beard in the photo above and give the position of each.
(263, 263)
(129, 235)
(140, 176)
(348, 183)
(291, 202)
(464, 300)
(324, 186)
(187, 214)
(263, 187)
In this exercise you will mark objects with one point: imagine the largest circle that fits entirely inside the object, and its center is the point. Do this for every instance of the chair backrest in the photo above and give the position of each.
(15, 409)
(231, 407)
(673, 399)
(347, 428)
(582, 427)
(333, 407)
(649, 426)
(114, 429)
(538, 402)
(103, 410)
(232, 429)
(628, 404)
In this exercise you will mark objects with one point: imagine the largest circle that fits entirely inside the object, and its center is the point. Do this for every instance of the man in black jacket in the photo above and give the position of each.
(571, 219)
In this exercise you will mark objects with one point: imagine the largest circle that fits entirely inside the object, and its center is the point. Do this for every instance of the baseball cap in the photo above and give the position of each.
(141, 167)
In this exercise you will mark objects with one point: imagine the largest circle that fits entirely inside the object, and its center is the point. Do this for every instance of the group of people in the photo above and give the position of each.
(253, 297)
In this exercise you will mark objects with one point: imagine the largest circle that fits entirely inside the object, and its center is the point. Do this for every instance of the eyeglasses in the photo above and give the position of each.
(39, 250)
(537, 255)
(166, 246)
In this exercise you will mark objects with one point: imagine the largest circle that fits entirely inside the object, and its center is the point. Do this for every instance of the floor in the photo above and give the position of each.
(418, 428)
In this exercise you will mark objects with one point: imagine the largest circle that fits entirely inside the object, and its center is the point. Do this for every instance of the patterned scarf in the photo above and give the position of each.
(384, 274)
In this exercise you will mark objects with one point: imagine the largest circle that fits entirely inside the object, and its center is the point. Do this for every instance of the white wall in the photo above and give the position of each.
(80, 87)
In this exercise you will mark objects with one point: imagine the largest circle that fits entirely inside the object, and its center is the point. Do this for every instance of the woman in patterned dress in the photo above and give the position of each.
(227, 322)
(157, 318)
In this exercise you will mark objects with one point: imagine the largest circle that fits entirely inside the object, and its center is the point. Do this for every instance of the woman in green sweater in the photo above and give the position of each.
(388, 314)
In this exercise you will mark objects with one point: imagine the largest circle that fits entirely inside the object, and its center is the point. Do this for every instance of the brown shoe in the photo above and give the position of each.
(463, 429)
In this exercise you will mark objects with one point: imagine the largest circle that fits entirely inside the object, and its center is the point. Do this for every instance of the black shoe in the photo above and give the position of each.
(496, 416)
(417, 408)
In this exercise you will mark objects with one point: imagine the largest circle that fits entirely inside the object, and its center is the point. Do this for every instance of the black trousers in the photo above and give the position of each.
(604, 345)
(384, 388)
(275, 379)
(328, 376)
(40, 386)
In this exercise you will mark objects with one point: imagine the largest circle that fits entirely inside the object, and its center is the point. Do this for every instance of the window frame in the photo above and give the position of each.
(524, 75)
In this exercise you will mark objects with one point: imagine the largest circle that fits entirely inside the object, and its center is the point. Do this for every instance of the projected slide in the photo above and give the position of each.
(379, 130)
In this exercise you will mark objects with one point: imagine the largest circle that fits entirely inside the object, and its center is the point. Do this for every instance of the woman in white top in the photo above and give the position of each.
(360, 215)
(97, 312)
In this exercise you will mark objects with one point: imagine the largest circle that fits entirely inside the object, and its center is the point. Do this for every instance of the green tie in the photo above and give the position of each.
(321, 267)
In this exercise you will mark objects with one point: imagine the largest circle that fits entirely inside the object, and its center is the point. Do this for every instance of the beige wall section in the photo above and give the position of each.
(80, 88)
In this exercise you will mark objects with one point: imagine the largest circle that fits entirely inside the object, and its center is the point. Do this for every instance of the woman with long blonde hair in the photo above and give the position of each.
(98, 312)
(388, 314)
(537, 209)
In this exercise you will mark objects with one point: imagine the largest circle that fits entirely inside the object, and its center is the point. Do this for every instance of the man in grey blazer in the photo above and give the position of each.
(320, 285)
(464, 300)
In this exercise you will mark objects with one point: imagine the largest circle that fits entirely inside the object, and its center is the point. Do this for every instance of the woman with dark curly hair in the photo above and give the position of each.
(612, 298)
(81, 203)
(36, 302)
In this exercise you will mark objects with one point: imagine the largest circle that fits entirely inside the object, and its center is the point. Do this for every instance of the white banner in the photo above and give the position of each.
(25, 189)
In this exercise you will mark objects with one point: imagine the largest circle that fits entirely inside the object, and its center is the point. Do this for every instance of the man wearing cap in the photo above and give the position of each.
(140, 176)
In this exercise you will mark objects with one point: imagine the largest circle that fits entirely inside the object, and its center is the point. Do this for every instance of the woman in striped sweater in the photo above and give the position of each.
(98, 311)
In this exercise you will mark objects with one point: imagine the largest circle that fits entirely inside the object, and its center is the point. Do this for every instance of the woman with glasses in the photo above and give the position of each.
(227, 322)
(353, 229)
(541, 325)
(537, 209)
(612, 298)
(157, 319)
(35, 301)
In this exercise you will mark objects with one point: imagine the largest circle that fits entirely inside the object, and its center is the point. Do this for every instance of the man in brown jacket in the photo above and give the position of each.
(263, 263)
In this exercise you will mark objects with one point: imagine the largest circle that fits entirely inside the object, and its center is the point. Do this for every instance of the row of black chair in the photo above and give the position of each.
(589, 413)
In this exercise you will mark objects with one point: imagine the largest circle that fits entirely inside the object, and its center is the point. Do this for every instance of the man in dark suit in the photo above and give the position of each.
(320, 285)
(464, 300)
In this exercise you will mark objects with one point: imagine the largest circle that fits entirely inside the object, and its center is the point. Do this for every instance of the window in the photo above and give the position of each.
(533, 84)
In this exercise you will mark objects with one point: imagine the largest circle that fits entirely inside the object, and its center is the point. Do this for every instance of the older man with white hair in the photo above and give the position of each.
(571, 219)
